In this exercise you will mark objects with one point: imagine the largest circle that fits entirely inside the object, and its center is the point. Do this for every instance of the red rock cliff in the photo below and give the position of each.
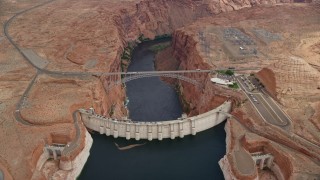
(157, 17)
(197, 99)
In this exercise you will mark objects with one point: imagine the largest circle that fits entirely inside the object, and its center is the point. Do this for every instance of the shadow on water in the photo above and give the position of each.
(193, 157)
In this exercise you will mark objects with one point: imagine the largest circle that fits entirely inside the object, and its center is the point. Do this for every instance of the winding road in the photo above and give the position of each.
(73, 145)
(278, 118)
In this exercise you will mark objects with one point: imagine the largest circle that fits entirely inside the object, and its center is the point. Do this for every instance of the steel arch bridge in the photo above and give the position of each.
(130, 76)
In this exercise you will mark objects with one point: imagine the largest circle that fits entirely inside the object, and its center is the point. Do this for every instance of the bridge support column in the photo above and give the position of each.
(160, 131)
(172, 136)
(261, 165)
(181, 133)
(115, 130)
(54, 153)
(149, 127)
(137, 132)
(128, 126)
(193, 127)
(108, 130)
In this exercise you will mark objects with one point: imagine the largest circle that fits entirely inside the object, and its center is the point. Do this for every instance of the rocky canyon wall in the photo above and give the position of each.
(91, 35)
(197, 100)
(153, 18)
(157, 17)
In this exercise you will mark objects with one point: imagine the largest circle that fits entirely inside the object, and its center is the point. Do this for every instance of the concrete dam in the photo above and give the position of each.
(155, 130)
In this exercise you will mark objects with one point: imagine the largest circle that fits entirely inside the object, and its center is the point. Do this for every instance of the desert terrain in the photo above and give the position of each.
(53, 56)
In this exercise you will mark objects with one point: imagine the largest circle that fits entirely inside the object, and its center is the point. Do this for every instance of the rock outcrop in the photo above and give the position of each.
(287, 163)
(188, 53)
(296, 85)
(290, 76)
(90, 36)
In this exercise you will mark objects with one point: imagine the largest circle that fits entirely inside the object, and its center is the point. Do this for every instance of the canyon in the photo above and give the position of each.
(90, 36)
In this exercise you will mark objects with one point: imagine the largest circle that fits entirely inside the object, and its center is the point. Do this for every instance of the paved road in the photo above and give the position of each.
(280, 118)
(74, 144)
(266, 106)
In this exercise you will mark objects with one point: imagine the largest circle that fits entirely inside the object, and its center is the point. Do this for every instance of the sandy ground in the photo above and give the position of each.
(89, 36)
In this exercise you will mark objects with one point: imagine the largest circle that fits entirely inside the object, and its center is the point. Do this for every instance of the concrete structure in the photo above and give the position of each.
(262, 160)
(117, 78)
(35, 58)
(55, 150)
(137, 75)
(221, 81)
(155, 130)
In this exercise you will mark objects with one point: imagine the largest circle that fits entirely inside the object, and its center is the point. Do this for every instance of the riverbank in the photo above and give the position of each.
(145, 105)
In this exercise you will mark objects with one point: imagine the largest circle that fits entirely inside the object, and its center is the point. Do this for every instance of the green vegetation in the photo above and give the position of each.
(221, 71)
(126, 56)
(234, 86)
(226, 72)
(127, 52)
(229, 72)
(159, 47)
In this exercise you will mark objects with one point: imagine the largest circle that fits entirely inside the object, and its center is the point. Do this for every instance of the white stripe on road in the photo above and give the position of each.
(271, 108)
(279, 107)
(246, 92)
(252, 102)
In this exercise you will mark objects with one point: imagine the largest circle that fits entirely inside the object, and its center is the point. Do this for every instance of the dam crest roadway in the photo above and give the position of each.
(155, 130)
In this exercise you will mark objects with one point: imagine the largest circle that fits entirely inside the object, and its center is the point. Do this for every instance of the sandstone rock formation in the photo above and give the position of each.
(288, 163)
(301, 105)
(297, 86)
(89, 36)
(187, 51)
(291, 76)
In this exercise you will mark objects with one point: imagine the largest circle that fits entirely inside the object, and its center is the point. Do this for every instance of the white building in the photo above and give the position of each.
(221, 81)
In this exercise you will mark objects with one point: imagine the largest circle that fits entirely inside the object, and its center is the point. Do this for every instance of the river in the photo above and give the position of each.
(150, 99)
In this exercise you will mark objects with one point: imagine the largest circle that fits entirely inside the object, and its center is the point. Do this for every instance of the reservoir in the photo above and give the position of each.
(150, 99)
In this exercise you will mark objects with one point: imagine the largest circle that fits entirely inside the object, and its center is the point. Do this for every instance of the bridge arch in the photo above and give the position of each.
(132, 77)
